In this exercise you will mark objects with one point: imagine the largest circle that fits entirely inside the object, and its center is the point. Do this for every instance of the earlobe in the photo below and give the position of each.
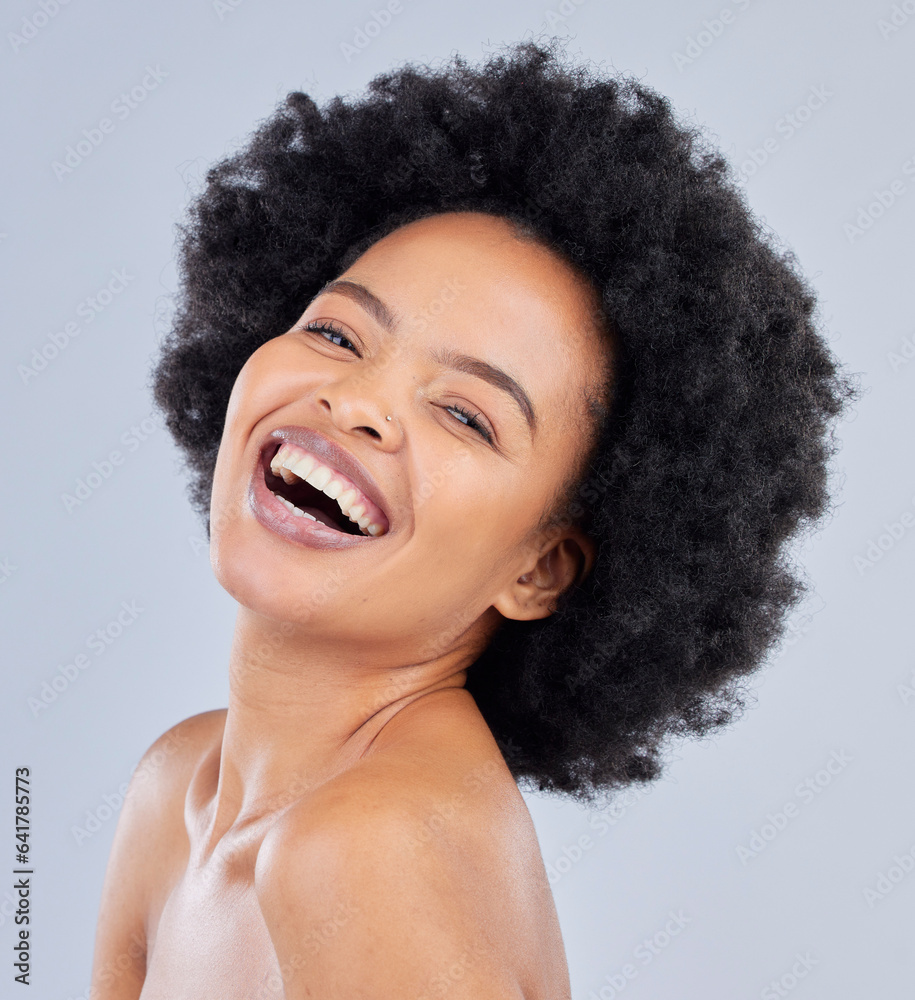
(567, 561)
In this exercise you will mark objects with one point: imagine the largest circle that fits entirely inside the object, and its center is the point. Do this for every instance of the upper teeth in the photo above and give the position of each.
(294, 465)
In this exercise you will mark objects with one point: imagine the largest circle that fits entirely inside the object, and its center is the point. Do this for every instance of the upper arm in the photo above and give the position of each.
(140, 853)
(358, 907)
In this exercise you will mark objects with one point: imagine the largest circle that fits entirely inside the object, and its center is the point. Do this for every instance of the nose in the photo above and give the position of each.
(354, 408)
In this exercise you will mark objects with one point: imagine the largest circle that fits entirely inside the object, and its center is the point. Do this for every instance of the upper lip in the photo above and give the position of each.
(331, 454)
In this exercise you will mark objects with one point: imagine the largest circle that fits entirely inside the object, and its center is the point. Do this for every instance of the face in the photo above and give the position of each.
(481, 348)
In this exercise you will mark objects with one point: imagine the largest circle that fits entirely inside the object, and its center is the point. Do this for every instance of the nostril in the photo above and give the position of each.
(371, 432)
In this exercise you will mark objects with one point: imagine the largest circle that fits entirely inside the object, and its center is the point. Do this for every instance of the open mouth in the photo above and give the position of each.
(311, 489)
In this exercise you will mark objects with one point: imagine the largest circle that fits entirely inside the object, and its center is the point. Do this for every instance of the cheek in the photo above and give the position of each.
(474, 519)
(265, 379)
(257, 391)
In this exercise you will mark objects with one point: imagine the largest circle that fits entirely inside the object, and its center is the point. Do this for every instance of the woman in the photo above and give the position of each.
(501, 410)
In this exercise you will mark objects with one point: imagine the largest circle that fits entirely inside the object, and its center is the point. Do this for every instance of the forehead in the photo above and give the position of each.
(466, 280)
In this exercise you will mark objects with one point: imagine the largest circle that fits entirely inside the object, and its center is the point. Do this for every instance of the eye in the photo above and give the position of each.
(470, 419)
(331, 333)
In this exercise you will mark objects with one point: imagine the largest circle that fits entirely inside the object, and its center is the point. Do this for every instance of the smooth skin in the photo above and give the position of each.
(348, 828)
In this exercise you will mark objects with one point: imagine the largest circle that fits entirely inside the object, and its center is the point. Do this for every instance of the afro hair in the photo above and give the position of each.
(714, 452)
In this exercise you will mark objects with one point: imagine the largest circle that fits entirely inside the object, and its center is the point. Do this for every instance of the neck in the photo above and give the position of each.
(302, 710)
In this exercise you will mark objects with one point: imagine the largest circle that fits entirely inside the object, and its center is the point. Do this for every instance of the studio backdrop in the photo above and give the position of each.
(775, 858)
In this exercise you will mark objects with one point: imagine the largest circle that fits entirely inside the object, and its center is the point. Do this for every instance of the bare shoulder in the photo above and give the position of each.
(168, 763)
(160, 780)
(417, 870)
(153, 810)
(172, 758)
(145, 851)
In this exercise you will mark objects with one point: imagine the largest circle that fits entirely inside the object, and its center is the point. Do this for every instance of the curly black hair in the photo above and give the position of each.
(714, 452)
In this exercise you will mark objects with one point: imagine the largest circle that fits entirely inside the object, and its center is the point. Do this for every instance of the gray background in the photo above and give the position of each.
(840, 689)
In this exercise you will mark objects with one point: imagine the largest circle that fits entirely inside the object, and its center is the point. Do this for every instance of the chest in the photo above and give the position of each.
(209, 938)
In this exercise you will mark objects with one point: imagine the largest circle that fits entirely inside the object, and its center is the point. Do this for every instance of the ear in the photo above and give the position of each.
(556, 564)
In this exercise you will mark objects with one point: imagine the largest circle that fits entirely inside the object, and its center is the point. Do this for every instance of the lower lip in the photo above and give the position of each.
(276, 517)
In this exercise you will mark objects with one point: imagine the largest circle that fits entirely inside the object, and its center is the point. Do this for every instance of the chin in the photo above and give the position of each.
(247, 570)
(261, 574)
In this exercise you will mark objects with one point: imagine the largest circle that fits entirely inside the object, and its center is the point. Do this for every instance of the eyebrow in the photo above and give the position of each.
(494, 376)
(363, 297)
(449, 358)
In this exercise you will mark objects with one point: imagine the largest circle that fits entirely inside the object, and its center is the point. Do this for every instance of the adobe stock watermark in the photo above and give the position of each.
(438, 984)
(443, 812)
(906, 692)
(438, 643)
(59, 340)
(898, 17)
(903, 354)
(212, 877)
(883, 199)
(794, 632)
(797, 626)
(31, 24)
(785, 128)
(223, 7)
(589, 667)
(799, 971)
(806, 791)
(98, 642)
(644, 954)
(6, 569)
(121, 108)
(111, 803)
(113, 969)
(711, 30)
(163, 316)
(103, 469)
(893, 532)
(886, 881)
(109, 807)
(559, 15)
(599, 820)
(364, 34)
(438, 477)
(274, 984)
